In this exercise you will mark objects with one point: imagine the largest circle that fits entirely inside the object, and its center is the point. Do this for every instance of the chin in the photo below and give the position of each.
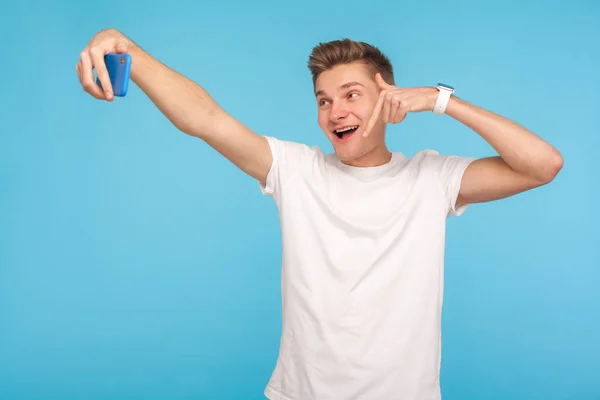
(349, 155)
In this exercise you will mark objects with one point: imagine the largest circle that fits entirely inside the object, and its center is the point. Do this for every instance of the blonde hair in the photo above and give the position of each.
(327, 55)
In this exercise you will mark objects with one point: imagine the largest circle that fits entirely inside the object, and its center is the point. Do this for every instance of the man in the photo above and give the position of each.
(362, 229)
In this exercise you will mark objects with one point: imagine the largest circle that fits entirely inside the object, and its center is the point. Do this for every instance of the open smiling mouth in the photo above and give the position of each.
(346, 132)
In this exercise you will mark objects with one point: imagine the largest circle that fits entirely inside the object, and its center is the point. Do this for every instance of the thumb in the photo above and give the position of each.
(383, 85)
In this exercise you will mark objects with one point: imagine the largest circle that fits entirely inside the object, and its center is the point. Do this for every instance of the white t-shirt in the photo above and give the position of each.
(362, 277)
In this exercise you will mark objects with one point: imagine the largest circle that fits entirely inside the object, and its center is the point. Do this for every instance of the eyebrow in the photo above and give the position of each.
(342, 87)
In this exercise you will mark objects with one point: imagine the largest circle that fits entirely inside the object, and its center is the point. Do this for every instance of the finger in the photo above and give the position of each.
(87, 77)
(394, 110)
(401, 113)
(386, 114)
(375, 114)
(102, 72)
(383, 85)
(78, 70)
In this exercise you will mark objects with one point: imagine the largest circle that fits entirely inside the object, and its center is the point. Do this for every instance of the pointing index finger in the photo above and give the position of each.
(375, 114)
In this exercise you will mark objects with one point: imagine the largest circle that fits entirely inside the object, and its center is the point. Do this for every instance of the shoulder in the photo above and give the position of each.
(432, 159)
(290, 160)
(283, 150)
(431, 166)
(439, 170)
(426, 160)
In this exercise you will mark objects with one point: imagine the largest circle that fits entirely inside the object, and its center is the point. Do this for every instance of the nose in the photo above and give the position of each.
(338, 111)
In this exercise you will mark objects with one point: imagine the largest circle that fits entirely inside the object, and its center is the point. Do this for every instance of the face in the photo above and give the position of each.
(346, 96)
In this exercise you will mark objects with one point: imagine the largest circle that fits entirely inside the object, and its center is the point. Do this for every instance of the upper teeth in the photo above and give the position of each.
(341, 130)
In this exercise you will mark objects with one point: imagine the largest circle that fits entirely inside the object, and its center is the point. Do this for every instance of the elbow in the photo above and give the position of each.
(552, 167)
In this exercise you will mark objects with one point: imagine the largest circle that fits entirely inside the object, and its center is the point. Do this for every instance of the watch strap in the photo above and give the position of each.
(443, 98)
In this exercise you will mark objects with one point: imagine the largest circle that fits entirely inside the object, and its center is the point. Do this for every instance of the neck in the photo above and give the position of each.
(380, 155)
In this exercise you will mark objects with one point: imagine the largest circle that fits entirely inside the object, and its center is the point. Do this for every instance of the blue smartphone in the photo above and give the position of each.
(119, 68)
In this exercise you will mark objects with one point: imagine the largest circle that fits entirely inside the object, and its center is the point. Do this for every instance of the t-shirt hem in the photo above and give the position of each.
(458, 209)
(273, 394)
(269, 187)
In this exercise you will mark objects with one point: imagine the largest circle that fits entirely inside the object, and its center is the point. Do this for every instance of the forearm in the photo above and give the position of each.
(185, 103)
(523, 151)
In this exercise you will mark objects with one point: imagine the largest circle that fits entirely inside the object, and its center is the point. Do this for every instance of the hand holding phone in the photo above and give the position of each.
(118, 66)
(107, 50)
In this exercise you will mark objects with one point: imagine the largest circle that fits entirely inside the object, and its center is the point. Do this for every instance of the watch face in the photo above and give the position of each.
(445, 86)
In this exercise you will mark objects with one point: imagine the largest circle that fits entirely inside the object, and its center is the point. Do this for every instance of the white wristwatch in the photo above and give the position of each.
(445, 91)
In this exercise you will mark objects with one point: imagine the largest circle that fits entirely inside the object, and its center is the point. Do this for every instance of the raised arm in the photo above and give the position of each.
(524, 160)
(185, 103)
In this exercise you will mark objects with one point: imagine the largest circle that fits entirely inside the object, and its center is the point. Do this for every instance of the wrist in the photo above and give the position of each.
(444, 95)
(432, 98)
(139, 61)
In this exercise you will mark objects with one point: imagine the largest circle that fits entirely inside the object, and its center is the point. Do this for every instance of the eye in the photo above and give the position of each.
(352, 94)
(322, 102)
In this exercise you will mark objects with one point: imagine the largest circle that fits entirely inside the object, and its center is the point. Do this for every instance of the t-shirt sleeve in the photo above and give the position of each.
(289, 159)
(448, 170)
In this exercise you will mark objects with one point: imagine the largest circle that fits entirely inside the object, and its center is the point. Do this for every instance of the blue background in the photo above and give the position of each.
(136, 262)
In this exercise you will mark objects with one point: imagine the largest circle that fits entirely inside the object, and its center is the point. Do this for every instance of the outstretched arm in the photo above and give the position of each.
(185, 103)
